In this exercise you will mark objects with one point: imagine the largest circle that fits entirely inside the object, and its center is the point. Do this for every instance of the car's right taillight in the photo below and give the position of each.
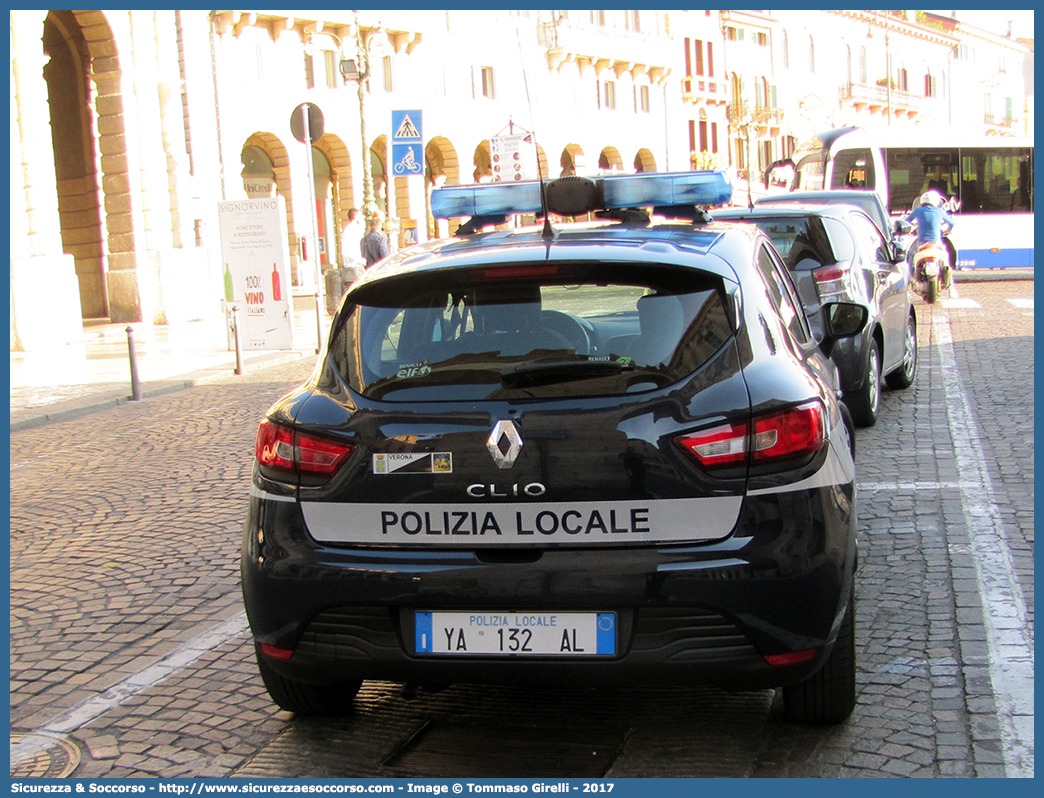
(797, 432)
(282, 449)
(830, 281)
(779, 436)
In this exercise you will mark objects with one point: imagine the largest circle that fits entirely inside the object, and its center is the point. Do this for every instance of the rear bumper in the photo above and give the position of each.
(700, 614)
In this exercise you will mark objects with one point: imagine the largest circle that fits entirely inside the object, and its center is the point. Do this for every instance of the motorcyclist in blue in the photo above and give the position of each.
(932, 221)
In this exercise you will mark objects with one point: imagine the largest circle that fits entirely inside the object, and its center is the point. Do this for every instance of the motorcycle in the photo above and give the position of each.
(931, 268)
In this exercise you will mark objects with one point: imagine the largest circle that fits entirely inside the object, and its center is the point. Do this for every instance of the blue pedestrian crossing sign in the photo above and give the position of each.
(406, 126)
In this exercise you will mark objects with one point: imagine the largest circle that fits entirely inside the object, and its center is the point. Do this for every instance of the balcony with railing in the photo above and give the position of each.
(700, 90)
(568, 41)
(878, 99)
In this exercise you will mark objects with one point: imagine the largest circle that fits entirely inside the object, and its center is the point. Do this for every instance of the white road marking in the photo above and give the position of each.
(1009, 642)
(47, 735)
(959, 303)
(1022, 304)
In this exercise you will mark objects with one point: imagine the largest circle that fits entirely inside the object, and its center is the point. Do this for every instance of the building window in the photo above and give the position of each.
(609, 95)
(862, 64)
(929, 85)
(710, 59)
(786, 50)
(904, 79)
(388, 74)
(598, 18)
(762, 39)
(698, 49)
(811, 55)
(309, 72)
(631, 21)
(488, 87)
(714, 137)
(643, 99)
(688, 58)
(330, 62)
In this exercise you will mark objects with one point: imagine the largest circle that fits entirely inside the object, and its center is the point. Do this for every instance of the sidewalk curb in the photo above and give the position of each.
(160, 388)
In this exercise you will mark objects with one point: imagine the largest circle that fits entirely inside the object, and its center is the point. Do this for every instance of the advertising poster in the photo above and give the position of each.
(256, 273)
(514, 158)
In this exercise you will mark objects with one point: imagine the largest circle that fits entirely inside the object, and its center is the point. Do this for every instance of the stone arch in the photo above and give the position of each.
(379, 176)
(483, 163)
(572, 160)
(644, 161)
(337, 155)
(69, 96)
(610, 160)
(277, 153)
(440, 168)
(541, 161)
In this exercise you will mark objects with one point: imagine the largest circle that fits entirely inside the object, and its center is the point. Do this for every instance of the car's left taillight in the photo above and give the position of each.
(769, 438)
(281, 449)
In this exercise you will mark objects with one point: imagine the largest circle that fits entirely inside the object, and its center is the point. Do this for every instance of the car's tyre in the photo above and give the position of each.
(903, 376)
(307, 699)
(866, 402)
(829, 695)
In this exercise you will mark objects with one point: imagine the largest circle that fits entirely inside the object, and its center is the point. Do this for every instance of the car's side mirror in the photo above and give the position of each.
(841, 320)
(903, 228)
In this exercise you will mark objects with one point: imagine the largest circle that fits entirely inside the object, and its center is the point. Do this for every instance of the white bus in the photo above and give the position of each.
(988, 180)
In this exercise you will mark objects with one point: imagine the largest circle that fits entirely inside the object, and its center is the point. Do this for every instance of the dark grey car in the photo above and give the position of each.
(837, 253)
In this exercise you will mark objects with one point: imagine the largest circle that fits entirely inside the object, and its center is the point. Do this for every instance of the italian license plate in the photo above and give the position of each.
(518, 634)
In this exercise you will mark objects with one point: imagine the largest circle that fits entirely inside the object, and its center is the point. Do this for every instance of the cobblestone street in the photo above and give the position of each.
(128, 640)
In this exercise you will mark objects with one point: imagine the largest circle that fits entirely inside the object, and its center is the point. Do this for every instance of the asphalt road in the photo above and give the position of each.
(129, 655)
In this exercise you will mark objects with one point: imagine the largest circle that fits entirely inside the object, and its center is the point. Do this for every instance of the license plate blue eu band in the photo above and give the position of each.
(569, 634)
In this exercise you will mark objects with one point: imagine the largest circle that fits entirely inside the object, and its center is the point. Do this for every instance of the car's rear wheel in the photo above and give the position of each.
(903, 376)
(302, 698)
(829, 695)
(866, 402)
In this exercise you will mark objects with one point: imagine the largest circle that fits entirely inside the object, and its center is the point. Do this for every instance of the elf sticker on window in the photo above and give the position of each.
(413, 463)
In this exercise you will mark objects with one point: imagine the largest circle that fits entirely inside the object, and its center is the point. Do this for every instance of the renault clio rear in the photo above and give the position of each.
(594, 453)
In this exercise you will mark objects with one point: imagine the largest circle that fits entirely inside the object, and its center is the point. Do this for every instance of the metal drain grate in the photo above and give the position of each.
(55, 758)
(443, 749)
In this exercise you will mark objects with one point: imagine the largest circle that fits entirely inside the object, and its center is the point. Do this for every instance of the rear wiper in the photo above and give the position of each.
(542, 372)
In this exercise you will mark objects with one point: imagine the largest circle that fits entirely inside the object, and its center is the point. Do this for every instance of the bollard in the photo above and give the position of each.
(238, 340)
(135, 383)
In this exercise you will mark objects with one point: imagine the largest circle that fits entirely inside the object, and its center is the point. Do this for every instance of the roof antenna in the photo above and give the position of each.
(548, 232)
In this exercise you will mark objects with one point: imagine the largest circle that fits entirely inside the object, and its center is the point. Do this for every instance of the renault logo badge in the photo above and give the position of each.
(504, 443)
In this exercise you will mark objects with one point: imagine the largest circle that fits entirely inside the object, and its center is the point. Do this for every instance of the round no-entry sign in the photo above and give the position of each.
(315, 123)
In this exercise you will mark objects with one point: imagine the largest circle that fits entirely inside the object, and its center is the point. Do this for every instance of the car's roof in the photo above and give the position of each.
(672, 243)
(795, 210)
(801, 196)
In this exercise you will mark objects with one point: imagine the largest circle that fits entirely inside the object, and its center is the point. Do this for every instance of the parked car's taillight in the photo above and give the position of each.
(718, 447)
(830, 281)
(796, 432)
(280, 448)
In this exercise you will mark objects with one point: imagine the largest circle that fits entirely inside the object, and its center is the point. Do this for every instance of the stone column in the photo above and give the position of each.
(45, 296)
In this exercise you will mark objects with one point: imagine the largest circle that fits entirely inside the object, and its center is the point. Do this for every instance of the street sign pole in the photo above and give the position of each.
(306, 138)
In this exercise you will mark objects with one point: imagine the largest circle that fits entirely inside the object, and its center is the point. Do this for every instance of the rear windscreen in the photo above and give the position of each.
(804, 242)
(468, 337)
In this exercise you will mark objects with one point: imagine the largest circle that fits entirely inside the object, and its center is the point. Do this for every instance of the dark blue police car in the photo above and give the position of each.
(594, 452)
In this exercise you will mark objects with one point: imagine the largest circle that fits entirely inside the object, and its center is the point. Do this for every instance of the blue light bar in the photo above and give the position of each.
(486, 199)
(667, 189)
(573, 196)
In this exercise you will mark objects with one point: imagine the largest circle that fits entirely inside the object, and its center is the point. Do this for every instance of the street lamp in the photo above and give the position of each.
(359, 69)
